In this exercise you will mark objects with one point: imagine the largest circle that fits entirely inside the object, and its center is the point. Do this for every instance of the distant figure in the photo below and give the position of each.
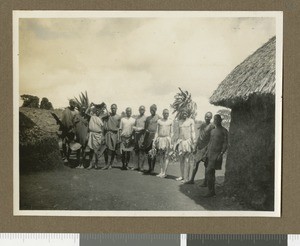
(111, 134)
(201, 146)
(185, 145)
(68, 128)
(215, 150)
(126, 130)
(150, 130)
(163, 141)
(95, 140)
(139, 131)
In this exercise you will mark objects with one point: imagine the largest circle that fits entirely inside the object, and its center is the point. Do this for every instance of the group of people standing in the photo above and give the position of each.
(107, 133)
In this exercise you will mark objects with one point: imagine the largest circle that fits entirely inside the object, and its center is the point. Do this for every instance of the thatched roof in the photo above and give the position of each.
(254, 76)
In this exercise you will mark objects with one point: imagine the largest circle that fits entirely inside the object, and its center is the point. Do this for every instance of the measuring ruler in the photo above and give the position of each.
(59, 239)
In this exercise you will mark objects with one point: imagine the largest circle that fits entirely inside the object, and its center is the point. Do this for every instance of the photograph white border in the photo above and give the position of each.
(143, 14)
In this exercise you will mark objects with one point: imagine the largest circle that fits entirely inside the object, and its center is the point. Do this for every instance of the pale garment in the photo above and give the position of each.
(187, 136)
(126, 127)
(95, 132)
(164, 134)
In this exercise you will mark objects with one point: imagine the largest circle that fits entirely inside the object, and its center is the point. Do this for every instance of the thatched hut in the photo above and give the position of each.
(38, 144)
(249, 90)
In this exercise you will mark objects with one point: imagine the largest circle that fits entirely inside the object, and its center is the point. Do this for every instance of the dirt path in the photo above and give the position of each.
(81, 189)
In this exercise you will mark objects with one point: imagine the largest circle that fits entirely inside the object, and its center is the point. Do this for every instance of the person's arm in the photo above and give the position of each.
(225, 141)
(156, 135)
(121, 127)
(225, 144)
(171, 130)
(193, 134)
(146, 123)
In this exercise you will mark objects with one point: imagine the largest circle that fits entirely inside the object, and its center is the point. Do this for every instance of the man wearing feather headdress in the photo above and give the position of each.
(185, 144)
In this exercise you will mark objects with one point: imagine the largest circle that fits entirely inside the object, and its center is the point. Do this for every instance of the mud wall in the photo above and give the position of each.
(250, 160)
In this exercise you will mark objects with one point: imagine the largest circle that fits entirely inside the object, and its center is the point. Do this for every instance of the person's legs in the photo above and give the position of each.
(165, 167)
(64, 149)
(92, 159)
(106, 157)
(210, 175)
(204, 183)
(153, 161)
(123, 159)
(112, 158)
(186, 168)
(78, 157)
(194, 172)
(161, 163)
(97, 158)
(149, 162)
(127, 158)
(181, 160)
(142, 157)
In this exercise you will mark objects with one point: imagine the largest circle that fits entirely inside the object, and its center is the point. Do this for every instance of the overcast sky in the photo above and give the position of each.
(134, 61)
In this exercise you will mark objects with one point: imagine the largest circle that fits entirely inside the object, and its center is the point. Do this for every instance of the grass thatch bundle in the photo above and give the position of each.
(38, 148)
(254, 76)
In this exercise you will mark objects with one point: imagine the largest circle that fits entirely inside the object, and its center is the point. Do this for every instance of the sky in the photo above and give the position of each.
(134, 61)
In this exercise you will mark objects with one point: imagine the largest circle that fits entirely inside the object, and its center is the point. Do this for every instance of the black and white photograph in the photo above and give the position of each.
(147, 113)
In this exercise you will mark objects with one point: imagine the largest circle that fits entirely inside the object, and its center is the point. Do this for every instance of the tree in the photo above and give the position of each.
(45, 104)
(30, 101)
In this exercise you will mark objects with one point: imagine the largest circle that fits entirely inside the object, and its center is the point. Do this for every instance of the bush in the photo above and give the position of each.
(30, 101)
(45, 104)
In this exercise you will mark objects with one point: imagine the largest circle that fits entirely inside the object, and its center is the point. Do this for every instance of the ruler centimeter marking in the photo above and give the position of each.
(94, 239)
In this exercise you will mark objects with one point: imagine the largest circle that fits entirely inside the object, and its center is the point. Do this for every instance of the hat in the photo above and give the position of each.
(75, 146)
(100, 106)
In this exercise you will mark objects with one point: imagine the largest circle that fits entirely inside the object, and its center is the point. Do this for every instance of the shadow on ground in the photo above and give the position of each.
(218, 202)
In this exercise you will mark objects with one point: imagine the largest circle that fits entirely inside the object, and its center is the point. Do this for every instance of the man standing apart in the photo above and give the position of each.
(126, 130)
(139, 130)
(185, 145)
(163, 141)
(111, 135)
(150, 130)
(201, 146)
(216, 148)
(68, 128)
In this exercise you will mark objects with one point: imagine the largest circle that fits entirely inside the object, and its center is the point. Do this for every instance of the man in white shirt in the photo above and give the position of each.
(127, 144)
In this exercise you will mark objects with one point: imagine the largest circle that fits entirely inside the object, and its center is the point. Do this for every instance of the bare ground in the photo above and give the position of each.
(80, 189)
